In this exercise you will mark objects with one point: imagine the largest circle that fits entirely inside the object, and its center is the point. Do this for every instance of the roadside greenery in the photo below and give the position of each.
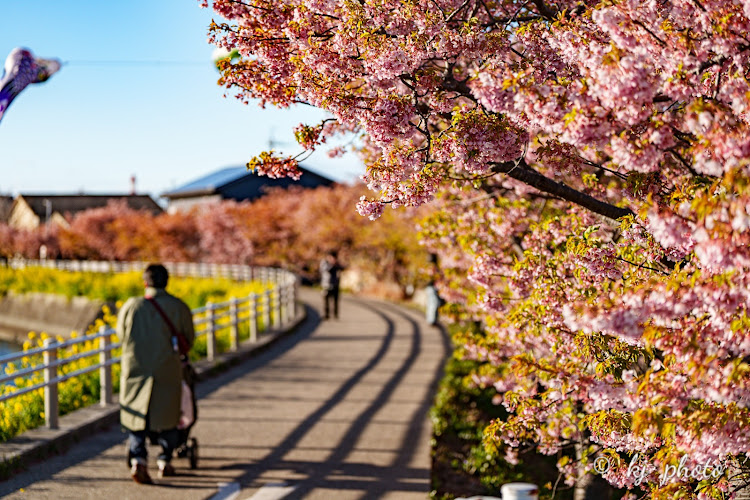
(461, 465)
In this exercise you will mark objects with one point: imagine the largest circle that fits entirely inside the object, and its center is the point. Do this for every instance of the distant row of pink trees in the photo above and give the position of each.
(286, 228)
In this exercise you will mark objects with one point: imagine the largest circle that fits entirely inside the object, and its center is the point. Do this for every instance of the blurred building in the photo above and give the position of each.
(6, 202)
(31, 211)
(234, 183)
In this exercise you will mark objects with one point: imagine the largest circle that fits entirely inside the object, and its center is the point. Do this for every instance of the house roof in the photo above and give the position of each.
(208, 184)
(71, 204)
(215, 181)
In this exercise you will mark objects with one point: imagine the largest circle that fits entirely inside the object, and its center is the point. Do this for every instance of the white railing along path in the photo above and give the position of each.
(274, 308)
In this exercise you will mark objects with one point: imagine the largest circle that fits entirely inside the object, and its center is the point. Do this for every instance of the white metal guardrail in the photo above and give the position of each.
(274, 308)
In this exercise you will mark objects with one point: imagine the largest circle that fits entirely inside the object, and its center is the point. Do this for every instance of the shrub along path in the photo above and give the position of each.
(339, 409)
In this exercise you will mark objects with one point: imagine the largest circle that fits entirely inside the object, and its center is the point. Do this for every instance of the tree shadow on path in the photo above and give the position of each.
(336, 474)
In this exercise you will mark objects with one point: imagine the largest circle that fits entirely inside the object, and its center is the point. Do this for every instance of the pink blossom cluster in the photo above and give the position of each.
(371, 209)
(275, 167)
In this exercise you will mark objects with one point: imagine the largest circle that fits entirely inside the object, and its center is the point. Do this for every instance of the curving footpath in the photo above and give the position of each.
(336, 410)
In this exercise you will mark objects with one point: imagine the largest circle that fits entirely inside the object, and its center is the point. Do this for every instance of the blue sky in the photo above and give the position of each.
(137, 95)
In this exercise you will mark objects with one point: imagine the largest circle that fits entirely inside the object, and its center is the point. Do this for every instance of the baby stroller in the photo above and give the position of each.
(188, 447)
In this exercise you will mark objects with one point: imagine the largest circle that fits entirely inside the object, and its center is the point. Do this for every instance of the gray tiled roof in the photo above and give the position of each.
(70, 204)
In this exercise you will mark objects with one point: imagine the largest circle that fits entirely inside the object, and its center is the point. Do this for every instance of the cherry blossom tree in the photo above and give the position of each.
(112, 232)
(592, 165)
(177, 237)
(6, 241)
(29, 242)
(225, 233)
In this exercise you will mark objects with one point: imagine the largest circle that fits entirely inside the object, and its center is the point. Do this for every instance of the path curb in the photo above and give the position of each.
(37, 444)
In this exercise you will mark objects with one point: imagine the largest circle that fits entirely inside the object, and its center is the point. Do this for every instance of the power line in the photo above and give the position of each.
(136, 63)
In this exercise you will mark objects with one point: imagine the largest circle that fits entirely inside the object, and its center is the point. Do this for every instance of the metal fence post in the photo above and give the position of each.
(282, 305)
(233, 330)
(276, 296)
(253, 318)
(105, 370)
(289, 302)
(295, 290)
(50, 388)
(211, 333)
(267, 309)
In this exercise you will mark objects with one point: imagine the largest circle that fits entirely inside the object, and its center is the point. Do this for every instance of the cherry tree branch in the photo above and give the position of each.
(641, 266)
(522, 172)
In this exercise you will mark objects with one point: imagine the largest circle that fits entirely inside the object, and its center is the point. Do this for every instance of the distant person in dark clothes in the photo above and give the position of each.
(330, 275)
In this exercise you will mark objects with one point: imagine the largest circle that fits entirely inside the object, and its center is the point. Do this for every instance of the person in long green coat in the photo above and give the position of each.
(151, 375)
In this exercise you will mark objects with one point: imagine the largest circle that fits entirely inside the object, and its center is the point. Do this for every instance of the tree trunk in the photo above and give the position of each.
(590, 486)
(739, 481)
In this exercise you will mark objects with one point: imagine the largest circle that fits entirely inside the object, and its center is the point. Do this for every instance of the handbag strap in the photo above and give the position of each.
(181, 340)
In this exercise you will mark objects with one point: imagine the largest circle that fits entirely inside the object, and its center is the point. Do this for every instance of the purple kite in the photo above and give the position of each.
(21, 70)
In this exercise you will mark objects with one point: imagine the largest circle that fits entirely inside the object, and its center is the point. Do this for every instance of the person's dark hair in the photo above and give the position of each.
(156, 276)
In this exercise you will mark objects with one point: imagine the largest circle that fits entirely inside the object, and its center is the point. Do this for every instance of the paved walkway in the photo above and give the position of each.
(337, 410)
